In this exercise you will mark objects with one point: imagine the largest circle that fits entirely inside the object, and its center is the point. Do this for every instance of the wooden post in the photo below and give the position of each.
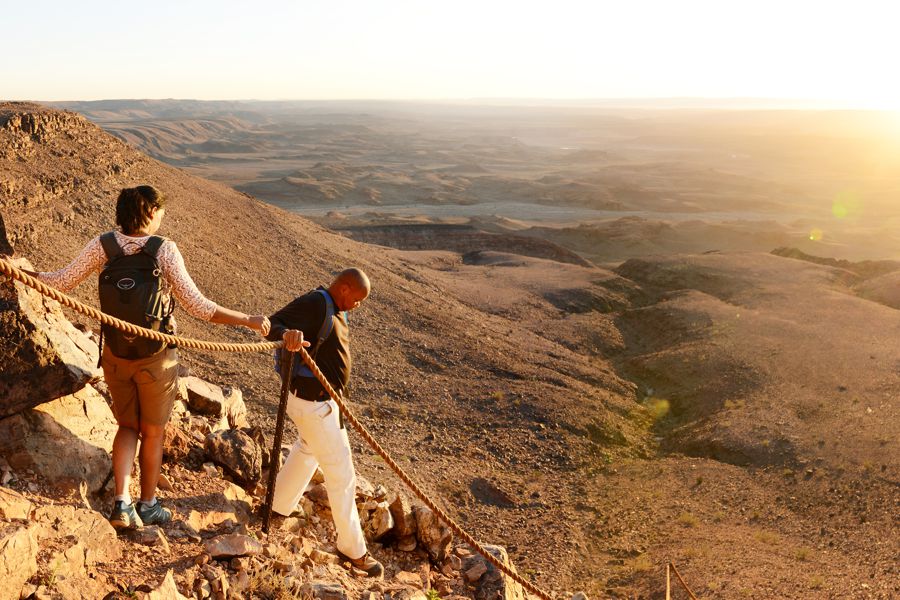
(287, 367)
(668, 583)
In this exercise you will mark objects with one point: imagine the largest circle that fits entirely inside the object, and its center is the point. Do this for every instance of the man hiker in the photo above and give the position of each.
(321, 315)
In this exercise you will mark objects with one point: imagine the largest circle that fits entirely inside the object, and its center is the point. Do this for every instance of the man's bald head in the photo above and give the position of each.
(350, 288)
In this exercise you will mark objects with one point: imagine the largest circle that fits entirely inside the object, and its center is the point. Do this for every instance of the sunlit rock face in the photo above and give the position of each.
(42, 355)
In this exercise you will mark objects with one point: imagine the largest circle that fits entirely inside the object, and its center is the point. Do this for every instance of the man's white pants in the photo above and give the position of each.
(324, 444)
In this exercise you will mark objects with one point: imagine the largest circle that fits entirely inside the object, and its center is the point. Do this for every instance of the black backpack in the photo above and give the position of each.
(131, 290)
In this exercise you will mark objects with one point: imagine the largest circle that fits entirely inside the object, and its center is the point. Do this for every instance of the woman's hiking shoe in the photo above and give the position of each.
(155, 514)
(365, 563)
(123, 516)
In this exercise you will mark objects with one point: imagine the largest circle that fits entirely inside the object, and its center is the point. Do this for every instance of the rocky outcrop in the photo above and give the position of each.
(489, 582)
(38, 122)
(90, 529)
(18, 557)
(44, 356)
(66, 441)
(13, 505)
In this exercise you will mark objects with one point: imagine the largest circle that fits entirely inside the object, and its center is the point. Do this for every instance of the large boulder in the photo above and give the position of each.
(237, 453)
(68, 440)
(404, 518)
(434, 536)
(224, 403)
(44, 356)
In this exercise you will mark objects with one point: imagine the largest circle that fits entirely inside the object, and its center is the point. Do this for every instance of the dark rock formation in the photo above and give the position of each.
(5, 247)
(489, 582)
(432, 534)
(237, 453)
(44, 357)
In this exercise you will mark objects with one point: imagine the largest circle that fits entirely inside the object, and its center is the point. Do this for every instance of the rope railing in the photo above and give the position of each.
(89, 311)
(19, 275)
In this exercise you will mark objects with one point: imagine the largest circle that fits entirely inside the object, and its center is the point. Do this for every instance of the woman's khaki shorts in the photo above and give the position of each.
(142, 390)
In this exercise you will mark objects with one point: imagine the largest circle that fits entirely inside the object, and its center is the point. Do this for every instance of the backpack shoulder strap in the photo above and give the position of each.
(327, 322)
(325, 330)
(110, 245)
(153, 245)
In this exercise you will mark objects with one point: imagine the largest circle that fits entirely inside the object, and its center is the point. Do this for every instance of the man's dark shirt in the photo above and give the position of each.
(307, 313)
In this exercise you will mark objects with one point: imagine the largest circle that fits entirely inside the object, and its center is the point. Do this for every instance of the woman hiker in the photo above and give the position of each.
(143, 388)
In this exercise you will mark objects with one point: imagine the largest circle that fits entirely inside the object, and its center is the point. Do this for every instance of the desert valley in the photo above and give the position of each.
(606, 337)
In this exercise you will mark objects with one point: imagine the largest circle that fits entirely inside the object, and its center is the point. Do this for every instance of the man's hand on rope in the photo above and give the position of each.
(293, 340)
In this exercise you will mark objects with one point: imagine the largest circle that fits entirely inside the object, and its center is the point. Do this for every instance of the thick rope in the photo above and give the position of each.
(46, 290)
(125, 326)
(683, 584)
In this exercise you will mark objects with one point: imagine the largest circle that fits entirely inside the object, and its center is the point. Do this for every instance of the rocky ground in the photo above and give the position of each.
(733, 413)
(57, 543)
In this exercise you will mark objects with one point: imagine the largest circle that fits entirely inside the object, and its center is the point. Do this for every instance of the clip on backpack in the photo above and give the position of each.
(131, 290)
(300, 368)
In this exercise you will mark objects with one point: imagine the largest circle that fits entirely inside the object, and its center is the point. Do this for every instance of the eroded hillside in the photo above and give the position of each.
(734, 413)
(458, 393)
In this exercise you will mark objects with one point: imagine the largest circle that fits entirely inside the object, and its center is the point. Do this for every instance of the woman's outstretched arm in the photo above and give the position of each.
(195, 303)
(226, 316)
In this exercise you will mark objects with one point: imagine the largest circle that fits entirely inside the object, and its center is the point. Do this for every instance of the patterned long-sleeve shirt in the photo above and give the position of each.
(176, 280)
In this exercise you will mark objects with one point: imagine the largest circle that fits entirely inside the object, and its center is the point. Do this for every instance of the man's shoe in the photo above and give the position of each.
(123, 516)
(154, 515)
(365, 563)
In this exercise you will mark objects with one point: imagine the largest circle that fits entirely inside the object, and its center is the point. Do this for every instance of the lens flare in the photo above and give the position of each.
(846, 204)
(816, 234)
(658, 407)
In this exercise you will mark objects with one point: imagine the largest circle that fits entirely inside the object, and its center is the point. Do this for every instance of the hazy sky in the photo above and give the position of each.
(846, 52)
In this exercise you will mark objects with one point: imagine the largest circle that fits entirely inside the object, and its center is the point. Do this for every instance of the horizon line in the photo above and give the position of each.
(686, 102)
